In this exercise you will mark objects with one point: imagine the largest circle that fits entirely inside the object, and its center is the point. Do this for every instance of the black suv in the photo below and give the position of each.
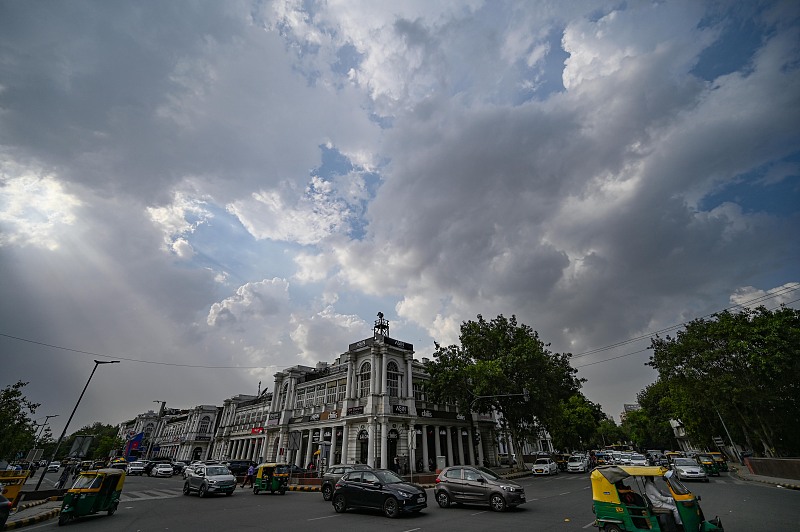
(239, 467)
(333, 474)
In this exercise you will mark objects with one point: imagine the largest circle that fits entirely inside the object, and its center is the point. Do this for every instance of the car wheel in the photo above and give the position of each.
(186, 489)
(63, 519)
(282, 492)
(612, 528)
(390, 508)
(202, 491)
(112, 510)
(255, 491)
(443, 499)
(707, 479)
(339, 503)
(327, 492)
(228, 493)
(497, 502)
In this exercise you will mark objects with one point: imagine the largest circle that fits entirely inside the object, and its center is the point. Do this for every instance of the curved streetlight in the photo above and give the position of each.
(40, 432)
(60, 439)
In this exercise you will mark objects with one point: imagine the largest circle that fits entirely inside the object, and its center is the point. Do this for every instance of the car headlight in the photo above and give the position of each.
(405, 494)
(508, 488)
(212, 481)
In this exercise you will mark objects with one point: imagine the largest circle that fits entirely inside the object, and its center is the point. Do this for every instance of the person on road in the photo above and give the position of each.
(250, 472)
(659, 500)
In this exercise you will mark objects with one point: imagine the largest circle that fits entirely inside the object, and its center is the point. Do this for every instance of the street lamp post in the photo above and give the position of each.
(64, 432)
(40, 433)
(155, 429)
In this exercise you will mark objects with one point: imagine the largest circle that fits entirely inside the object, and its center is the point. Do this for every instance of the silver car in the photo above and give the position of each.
(210, 479)
(688, 469)
(477, 485)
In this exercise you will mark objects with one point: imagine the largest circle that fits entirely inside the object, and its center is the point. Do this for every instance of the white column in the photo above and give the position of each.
(385, 445)
(409, 379)
(308, 448)
(373, 378)
(351, 380)
(345, 439)
(382, 376)
(460, 446)
(449, 446)
(334, 441)
(371, 430)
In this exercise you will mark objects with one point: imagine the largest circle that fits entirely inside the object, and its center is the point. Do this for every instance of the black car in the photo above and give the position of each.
(333, 474)
(240, 467)
(378, 489)
(5, 509)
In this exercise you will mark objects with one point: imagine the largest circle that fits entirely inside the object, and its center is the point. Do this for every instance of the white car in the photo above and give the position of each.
(577, 464)
(162, 469)
(136, 468)
(53, 467)
(188, 471)
(545, 466)
(638, 460)
(688, 469)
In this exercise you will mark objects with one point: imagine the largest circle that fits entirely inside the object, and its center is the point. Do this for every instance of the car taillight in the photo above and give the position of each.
(338, 485)
(437, 480)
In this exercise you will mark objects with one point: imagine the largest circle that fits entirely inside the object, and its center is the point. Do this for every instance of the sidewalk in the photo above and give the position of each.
(33, 512)
(743, 473)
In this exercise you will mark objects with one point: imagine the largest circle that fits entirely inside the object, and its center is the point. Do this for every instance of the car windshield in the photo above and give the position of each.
(637, 457)
(575, 459)
(541, 461)
(88, 481)
(705, 457)
(684, 462)
(388, 477)
(213, 471)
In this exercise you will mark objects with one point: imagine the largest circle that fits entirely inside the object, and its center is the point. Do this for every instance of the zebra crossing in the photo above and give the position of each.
(150, 494)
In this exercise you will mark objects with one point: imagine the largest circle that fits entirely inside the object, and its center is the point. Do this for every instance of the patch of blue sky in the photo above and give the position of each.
(733, 50)
(224, 245)
(545, 77)
(347, 57)
(755, 192)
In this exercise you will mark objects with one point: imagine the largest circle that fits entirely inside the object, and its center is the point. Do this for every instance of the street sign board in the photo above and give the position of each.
(294, 440)
(719, 441)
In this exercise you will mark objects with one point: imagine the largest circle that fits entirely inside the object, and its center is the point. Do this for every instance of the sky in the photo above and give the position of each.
(211, 192)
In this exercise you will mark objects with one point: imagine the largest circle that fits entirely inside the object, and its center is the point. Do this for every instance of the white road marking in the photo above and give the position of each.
(318, 518)
(479, 513)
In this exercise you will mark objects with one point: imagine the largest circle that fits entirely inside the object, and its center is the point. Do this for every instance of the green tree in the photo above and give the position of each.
(17, 430)
(744, 367)
(576, 425)
(105, 440)
(497, 362)
(608, 433)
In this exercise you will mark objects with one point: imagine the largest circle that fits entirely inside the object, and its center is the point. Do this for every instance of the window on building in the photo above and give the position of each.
(148, 429)
(301, 399)
(330, 396)
(364, 375)
(284, 393)
(320, 399)
(419, 392)
(205, 425)
(341, 391)
(393, 379)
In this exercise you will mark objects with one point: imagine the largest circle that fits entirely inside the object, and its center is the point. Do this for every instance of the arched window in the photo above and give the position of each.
(205, 425)
(364, 375)
(393, 379)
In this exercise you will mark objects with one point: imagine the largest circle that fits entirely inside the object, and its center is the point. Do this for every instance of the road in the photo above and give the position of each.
(556, 503)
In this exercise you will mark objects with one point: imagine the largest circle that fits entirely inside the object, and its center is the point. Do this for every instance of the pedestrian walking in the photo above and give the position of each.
(250, 472)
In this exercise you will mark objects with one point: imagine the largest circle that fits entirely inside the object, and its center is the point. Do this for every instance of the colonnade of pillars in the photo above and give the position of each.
(431, 441)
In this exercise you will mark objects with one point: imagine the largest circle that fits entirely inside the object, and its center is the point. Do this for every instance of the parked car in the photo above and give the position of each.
(177, 467)
(136, 468)
(148, 468)
(476, 485)
(53, 467)
(210, 479)
(688, 469)
(577, 464)
(545, 466)
(333, 474)
(239, 467)
(162, 469)
(638, 460)
(189, 470)
(378, 489)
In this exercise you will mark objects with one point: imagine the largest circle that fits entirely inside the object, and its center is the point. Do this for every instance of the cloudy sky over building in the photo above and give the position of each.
(212, 191)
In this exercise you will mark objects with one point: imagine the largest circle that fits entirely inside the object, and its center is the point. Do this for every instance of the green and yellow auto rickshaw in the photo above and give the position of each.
(709, 465)
(720, 460)
(94, 491)
(620, 502)
(271, 477)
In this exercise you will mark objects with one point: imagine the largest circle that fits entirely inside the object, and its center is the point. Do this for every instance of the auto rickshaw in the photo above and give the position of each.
(94, 491)
(720, 460)
(672, 455)
(613, 514)
(709, 465)
(561, 461)
(271, 477)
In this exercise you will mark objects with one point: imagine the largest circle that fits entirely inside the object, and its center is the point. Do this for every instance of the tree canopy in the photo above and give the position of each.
(496, 363)
(741, 367)
(17, 429)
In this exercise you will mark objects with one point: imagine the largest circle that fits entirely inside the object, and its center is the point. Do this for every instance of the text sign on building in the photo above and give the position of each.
(355, 410)
(361, 344)
(257, 430)
(400, 409)
(274, 419)
(398, 343)
(441, 414)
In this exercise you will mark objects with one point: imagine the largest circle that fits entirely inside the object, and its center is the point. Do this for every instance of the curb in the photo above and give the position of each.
(770, 482)
(303, 488)
(32, 520)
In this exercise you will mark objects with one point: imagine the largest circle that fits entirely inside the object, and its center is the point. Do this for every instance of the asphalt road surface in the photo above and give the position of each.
(562, 502)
